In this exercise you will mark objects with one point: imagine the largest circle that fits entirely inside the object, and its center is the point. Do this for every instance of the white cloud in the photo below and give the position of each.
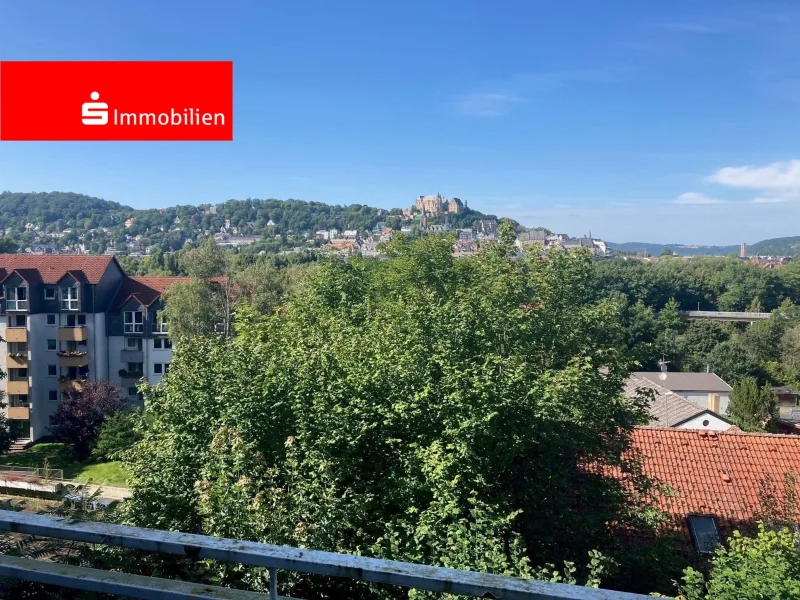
(775, 176)
(493, 104)
(696, 198)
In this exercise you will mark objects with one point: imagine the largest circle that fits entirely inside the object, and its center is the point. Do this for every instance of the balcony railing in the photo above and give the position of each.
(73, 334)
(16, 334)
(131, 356)
(391, 572)
(17, 360)
(66, 382)
(21, 413)
(73, 358)
(17, 387)
(125, 374)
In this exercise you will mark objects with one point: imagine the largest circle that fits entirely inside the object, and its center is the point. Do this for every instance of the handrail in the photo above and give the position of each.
(437, 579)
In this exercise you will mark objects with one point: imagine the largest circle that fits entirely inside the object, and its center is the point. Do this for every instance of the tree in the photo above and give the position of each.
(82, 413)
(697, 341)
(751, 408)
(8, 246)
(732, 362)
(192, 308)
(669, 323)
(423, 408)
(766, 566)
(118, 434)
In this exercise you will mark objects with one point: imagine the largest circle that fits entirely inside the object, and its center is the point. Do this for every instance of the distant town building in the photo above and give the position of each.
(488, 227)
(694, 387)
(532, 237)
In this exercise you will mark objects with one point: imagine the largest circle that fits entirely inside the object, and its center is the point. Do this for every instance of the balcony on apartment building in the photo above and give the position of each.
(17, 357)
(19, 409)
(16, 334)
(66, 382)
(72, 377)
(18, 386)
(131, 356)
(73, 334)
(73, 358)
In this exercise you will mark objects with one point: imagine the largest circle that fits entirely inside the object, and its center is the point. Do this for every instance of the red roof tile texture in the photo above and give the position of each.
(145, 290)
(52, 268)
(717, 473)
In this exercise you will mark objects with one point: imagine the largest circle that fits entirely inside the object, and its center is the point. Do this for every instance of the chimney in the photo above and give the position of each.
(713, 403)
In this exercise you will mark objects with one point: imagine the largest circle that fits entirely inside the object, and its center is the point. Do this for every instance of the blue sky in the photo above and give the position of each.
(642, 121)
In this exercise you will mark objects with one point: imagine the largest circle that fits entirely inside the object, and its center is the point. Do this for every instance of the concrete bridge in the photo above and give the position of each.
(715, 315)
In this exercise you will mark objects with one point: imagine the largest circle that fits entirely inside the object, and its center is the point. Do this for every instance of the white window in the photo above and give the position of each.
(52, 395)
(158, 368)
(52, 345)
(17, 298)
(69, 298)
(52, 371)
(132, 343)
(51, 319)
(132, 391)
(162, 344)
(134, 321)
(160, 324)
(49, 293)
(17, 320)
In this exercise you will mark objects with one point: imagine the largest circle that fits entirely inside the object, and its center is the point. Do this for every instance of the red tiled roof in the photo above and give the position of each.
(144, 290)
(716, 473)
(52, 267)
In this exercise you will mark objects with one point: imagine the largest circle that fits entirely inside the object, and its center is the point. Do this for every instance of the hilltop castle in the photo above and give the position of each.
(437, 204)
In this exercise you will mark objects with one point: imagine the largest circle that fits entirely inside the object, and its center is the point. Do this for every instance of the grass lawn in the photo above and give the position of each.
(59, 456)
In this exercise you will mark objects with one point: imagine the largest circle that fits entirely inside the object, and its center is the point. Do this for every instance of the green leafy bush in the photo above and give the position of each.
(118, 434)
(764, 567)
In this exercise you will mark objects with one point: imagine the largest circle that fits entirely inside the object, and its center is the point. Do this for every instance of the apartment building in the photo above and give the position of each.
(68, 319)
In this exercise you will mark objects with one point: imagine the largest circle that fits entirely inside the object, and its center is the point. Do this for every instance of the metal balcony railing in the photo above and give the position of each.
(437, 579)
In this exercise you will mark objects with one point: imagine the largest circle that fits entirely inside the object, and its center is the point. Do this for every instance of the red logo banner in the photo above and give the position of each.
(116, 101)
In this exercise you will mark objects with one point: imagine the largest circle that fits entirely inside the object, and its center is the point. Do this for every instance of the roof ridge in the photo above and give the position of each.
(732, 433)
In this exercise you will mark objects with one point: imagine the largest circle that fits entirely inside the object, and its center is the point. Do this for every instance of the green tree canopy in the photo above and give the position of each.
(752, 408)
(422, 408)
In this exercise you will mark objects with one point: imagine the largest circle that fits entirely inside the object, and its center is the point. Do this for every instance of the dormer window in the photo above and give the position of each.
(69, 298)
(160, 325)
(49, 293)
(16, 298)
(134, 321)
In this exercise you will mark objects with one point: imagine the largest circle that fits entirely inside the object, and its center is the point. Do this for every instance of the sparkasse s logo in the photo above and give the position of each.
(123, 101)
(95, 113)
